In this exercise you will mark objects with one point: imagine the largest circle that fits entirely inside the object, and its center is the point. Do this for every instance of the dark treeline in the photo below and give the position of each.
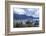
(27, 24)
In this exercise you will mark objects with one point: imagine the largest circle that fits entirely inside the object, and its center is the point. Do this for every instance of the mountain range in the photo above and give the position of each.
(22, 17)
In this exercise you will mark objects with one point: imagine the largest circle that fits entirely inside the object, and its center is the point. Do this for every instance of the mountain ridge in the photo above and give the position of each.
(17, 17)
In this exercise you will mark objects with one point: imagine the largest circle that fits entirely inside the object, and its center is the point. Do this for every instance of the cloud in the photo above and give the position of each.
(19, 11)
(28, 12)
(36, 14)
(32, 12)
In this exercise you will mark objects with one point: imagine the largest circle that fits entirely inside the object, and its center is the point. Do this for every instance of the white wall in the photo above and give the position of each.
(2, 18)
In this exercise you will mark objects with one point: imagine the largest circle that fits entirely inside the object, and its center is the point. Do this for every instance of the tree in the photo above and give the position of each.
(29, 23)
(36, 23)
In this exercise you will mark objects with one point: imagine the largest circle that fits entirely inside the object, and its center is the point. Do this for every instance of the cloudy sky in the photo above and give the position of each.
(27, 11)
